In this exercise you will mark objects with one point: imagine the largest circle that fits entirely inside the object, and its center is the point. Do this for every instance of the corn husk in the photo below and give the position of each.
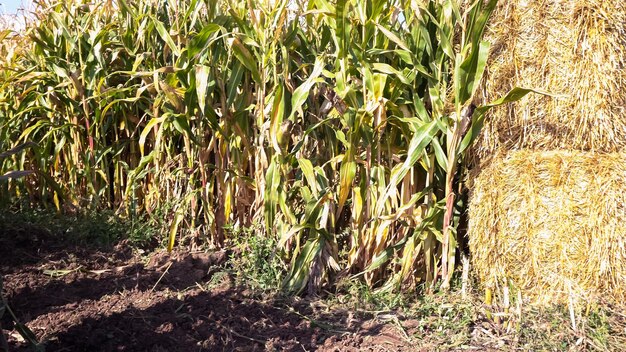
(551, 224)
(574, 49)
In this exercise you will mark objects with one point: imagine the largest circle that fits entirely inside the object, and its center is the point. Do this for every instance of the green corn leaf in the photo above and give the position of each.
(245, 57)
(233, 84)
(302, 92)
(200, 42)
(388, 69)
(284, 208)
(513, 95)
(272, 179)
(468, 74)
(181, 124)
(421, 138)
(440, 155)
(165, 36)
(126, 8)
(477, 21)
(276, 118)
(342, 26)
(394, 38)
(307, 170)
(383, 257)
(292, 232)
(301, 267)
(314, 207)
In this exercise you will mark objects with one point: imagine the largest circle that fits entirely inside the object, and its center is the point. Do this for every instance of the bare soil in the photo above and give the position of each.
(87, 299)
(83, 298)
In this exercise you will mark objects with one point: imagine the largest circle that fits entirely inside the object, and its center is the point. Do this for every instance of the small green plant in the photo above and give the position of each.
(445, 318)
(599, 328)
(362, 297)
(258, 262)
(145, 230)
(101, 228)
(218, 279)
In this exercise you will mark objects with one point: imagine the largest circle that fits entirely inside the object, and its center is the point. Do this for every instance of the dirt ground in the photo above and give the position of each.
(77, 298)
(80, 299)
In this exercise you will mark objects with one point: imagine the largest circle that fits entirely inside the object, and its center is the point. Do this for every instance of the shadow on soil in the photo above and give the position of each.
(88, 299)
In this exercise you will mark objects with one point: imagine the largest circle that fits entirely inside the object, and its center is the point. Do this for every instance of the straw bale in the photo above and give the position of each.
(553, 223)
(573, 48)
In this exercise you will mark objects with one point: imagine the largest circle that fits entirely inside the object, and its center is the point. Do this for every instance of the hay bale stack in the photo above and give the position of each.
(553, 222)
(574, 48)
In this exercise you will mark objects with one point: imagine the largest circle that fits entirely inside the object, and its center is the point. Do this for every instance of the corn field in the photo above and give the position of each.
(339, 126)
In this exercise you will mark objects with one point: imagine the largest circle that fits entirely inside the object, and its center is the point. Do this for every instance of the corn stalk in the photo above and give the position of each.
(340, 125)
